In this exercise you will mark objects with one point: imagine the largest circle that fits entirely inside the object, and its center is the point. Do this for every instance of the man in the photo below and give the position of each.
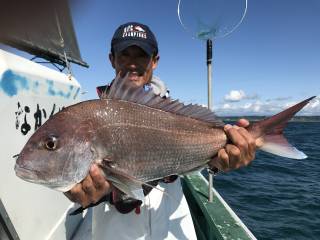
(134, 51)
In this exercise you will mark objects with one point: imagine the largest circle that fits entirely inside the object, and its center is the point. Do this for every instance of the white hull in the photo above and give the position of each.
(29, 94)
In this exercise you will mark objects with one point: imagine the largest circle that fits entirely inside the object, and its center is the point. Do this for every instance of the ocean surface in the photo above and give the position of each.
(279, 198)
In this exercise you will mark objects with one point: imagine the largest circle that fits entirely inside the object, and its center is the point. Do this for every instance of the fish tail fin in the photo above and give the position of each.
(269, 133)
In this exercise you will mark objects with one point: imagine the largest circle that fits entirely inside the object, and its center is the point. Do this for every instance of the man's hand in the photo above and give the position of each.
(91, 189)
(240, 153)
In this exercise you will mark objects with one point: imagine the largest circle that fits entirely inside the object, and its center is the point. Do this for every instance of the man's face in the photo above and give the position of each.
(137, 63)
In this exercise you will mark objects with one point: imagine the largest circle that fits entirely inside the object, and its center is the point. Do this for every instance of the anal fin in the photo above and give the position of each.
(278, 145)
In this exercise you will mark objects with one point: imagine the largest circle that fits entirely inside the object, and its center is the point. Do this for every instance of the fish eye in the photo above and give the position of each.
(51, 143)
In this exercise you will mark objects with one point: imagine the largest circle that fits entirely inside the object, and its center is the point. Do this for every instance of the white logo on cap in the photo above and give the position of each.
(138, 28)
(134, 31)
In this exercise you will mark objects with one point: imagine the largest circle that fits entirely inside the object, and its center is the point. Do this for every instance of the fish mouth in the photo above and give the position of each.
(25, 173)
(31, 176)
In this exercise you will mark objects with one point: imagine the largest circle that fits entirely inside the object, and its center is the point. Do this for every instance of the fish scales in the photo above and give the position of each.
(150, 143)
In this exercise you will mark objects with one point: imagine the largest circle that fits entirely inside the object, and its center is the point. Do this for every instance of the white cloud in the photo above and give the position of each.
(235, 96)
(265, 107)
(226, 106)
(238, 95)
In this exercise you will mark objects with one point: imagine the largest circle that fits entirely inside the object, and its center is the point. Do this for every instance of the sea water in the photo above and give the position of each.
(279, 198)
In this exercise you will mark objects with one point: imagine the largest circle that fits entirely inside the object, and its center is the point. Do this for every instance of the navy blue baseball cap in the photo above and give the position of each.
(134, 34)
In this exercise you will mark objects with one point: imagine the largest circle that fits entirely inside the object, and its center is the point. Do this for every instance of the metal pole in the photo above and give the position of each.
(209, 72)
(210, 103)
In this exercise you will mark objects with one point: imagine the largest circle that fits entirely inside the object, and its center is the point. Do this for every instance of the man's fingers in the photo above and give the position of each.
(221, 161)
(89, 188)
(98, 179)
(70, 196)
(234, 156)
(236, 138)
(250, 142)
(242, 146)
(243, 123)
(76, 194)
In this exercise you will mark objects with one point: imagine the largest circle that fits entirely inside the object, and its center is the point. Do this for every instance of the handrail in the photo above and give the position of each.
(214, 220)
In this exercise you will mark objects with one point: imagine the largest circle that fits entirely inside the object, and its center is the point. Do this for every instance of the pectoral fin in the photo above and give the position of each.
(123, 181)
(132, 189)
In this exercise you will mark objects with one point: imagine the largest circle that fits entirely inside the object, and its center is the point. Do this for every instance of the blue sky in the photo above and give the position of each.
(271, 61)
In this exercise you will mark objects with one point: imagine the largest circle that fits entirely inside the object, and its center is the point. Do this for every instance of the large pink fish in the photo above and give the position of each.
(135, 137)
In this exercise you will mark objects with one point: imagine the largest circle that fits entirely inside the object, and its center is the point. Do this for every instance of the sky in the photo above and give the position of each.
(270, 62)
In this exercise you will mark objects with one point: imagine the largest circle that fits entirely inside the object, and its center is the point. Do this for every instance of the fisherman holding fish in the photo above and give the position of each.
(127, 148)
(134, 54)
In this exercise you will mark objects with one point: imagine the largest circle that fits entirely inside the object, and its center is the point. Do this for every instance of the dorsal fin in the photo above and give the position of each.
(123, 89)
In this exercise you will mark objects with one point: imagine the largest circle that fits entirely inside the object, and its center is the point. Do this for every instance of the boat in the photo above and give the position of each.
(30, 93)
